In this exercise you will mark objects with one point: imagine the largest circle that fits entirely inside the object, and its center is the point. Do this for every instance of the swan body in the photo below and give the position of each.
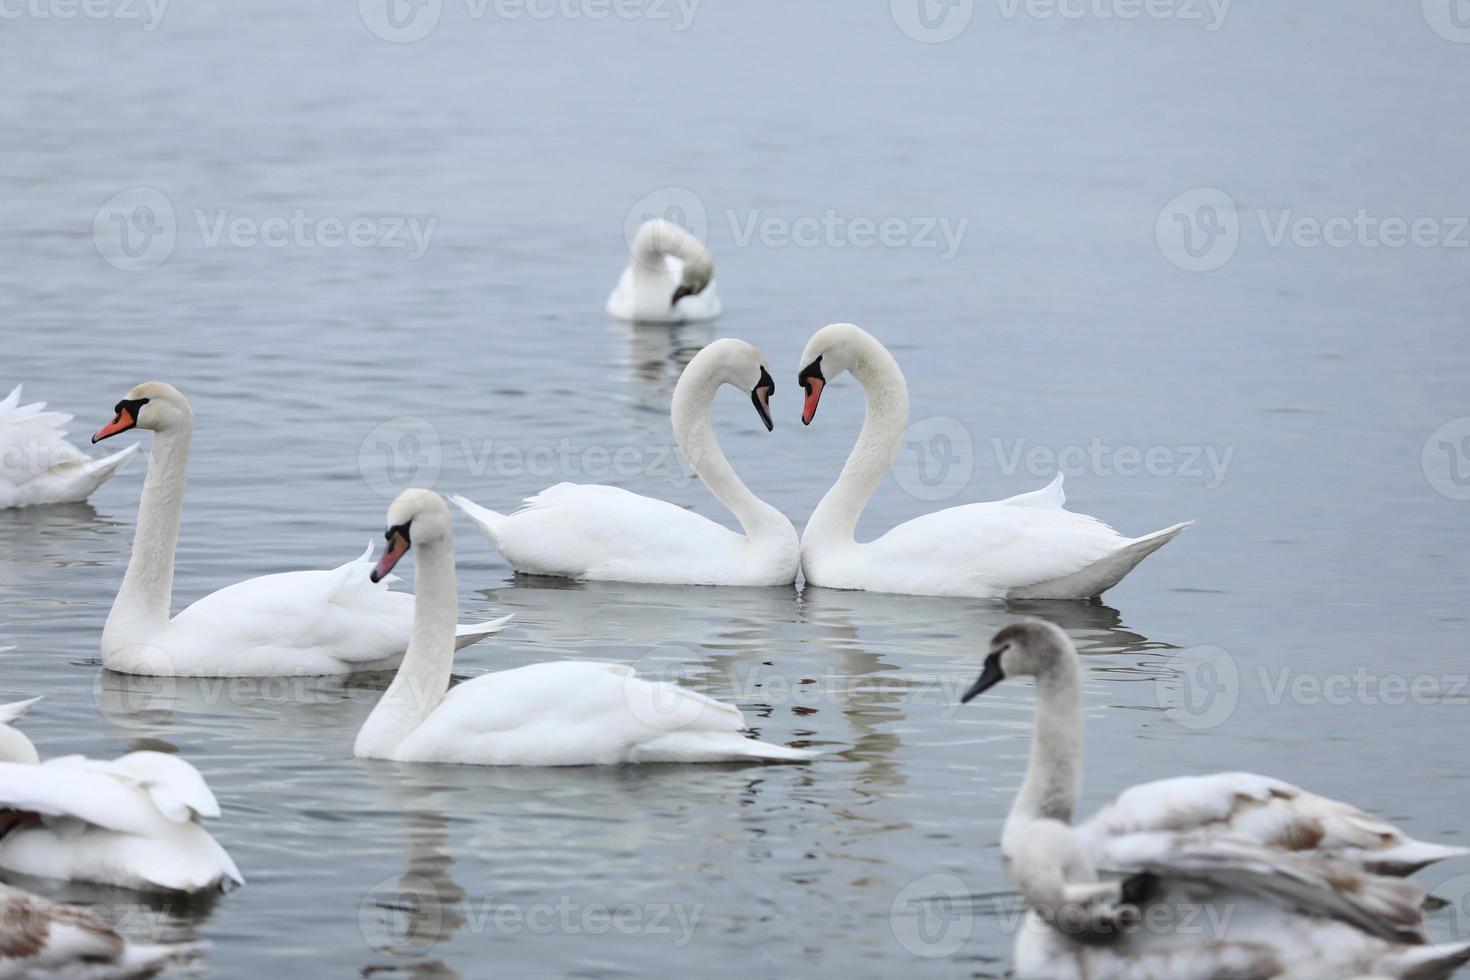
(1281, 876)
(44, 940)
(550, 714)
(133, 822)
(669, 278)
(604, 533)
(1023, 547)
(38, 465)
(303, 623)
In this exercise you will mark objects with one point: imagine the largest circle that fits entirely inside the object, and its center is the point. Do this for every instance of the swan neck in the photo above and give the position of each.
(1054, 777)
(143, 601)
(657, 239)
(694, 432)
(423, 676)
(836, 517)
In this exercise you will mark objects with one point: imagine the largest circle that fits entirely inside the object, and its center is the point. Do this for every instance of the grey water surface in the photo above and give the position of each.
(163, 187)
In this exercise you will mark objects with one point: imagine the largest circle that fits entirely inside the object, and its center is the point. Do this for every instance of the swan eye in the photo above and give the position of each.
(812, 372)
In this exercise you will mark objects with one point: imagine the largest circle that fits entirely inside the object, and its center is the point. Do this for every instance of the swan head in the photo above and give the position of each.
(415, 517)
(1029, 648)
(698, 274)
(150, 405)
(835, 348)
(728, 361)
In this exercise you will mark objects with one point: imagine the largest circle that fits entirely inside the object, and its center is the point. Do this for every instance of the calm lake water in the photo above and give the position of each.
(1060, 282)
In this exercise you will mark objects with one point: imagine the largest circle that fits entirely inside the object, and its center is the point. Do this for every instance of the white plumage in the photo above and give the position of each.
(669, 278)
(604, 533)
(292, 623)
(133, 822)
(1024, 547)
(550, 714)
(38, 465)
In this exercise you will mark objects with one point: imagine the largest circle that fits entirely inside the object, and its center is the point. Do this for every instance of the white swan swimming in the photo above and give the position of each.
(293, 623)
(669, 278)
(1024, 547)
(38, 465)
(550, 714)
(133, 822)
(606, 533)
(45, 940)
(1280, 878)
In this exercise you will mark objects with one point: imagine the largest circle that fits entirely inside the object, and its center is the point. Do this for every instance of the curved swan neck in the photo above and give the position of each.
(694, 431)
(658, 238)
(143, 601)
(1054, 776)
(423, 677)
(886, 419)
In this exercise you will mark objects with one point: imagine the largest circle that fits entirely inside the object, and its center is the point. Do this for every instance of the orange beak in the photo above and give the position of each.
(122, 423)
(397, 547)
(813, 395)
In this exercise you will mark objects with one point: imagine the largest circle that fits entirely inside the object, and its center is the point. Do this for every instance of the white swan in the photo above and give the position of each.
(133, 822)
(1024, 547)
(605, 533)
(38, 465)
(293, 623)
(45, 940)
(551, 714)
(1278, 870)
(669, 278)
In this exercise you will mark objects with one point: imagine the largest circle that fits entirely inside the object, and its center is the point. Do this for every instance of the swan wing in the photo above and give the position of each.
(994, 547)
(596, 531)
(44, 467)
(303, 620)
(1389, 908)
(579, 713)
(1268, 812)
(76, 788)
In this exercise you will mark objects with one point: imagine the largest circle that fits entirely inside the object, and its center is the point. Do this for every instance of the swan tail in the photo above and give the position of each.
(718, 747)
(102, 468)
(12, 711)
(1096, 578)
(465, 634)
(1410, 856)
(1052, 495)
(1435, 961)
(486, 519)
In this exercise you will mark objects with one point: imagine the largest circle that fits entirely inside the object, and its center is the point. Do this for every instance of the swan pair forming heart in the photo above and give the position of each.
(1026, 546)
